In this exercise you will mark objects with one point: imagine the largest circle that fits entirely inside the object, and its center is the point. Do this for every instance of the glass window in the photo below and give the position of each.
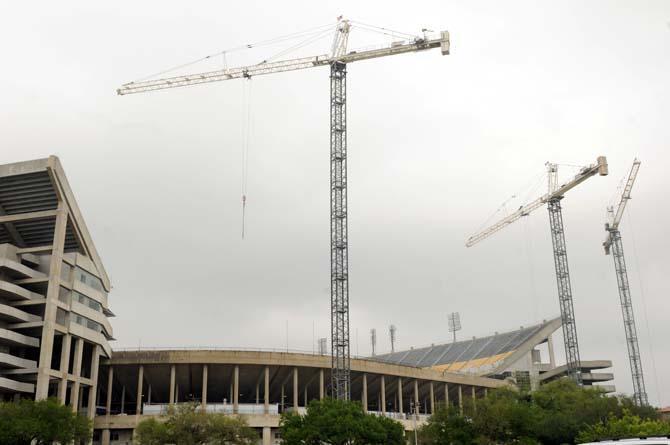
(65, 272)
(89, 279)
(83, 299)
(64, 295)
(61, 317)
(87, 322)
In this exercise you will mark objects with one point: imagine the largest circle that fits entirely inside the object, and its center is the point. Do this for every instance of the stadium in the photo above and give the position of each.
(55, 339)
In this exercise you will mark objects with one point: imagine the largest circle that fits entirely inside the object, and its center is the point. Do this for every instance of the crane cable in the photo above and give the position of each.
(644, 305)
(245, 149)
(268, 42)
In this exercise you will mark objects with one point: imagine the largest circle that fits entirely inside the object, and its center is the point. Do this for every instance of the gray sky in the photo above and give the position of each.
(436, 145)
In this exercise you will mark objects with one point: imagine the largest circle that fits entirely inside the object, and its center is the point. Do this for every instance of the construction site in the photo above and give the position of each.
(58, 305)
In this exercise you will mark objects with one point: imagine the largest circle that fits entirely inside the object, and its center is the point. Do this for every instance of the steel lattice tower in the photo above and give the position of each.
(640, 392)
(339, 257)
(564, 289)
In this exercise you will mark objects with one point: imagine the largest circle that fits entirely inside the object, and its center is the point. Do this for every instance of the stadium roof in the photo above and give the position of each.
(485, 355)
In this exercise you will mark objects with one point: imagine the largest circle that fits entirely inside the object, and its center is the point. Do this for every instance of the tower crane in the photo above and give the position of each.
(614, 245)
(337, 60)
(553, 199)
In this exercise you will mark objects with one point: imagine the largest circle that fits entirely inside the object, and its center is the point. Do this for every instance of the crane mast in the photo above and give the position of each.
(614, 245)
(553, 199)
(337, 60)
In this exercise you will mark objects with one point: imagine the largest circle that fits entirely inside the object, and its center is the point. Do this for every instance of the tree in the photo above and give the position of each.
(627, 426)
(564, 408)
(447, 427)
(41, 422)
(339, 422)
(505, 416)
(189, 425)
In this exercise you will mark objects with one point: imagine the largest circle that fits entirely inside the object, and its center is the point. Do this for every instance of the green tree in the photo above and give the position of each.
(627, 426)
(505, 416)
(564, 408)
(188, 425)
(41, 422)
(338, 422)
(447, 427)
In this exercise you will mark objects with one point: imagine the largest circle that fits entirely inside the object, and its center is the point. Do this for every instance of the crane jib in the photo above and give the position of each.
(280, 66)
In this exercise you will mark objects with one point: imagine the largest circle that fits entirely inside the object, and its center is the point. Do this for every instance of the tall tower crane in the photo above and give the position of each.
(614, 245)
(337, 60)
(553, 199)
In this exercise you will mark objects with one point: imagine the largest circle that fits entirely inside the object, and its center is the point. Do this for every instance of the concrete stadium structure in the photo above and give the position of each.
(259, 386)
(55, 334)
(54, 323)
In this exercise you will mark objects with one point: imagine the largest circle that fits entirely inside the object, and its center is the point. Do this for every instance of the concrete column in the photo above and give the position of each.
(400, 408)
(140, 383)
(474, 398)
(486, 392)
(236, 389)
(53, 289)
(173, 377)
(552, 357)
(432, 398)
(295, 388)
(283, 395)
(110, 381)
(64, 364)
(416, 397)
(266, 392)
(105, 437)
(383, 394)
(93, 390)
(446, 395)
(258, 392)
(149, 395)
(460, 399)
(123, 399)
(76, 371)
(305, 398)
(321, 385)
(364, 396)
(267, 435)
(203, 398)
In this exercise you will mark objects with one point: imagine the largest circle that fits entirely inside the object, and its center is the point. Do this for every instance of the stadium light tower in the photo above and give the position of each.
(392, 331)
(454, 320)
(373, 340)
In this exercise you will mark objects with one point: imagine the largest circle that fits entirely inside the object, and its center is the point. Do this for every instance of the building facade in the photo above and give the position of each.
(54, 325)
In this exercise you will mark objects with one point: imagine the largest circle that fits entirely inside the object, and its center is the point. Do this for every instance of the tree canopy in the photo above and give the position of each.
(41, 422)
(189, 425)
(557, 413)
(338, 422)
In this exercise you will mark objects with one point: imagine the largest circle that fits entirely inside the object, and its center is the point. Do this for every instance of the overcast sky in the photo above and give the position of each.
(436, 144)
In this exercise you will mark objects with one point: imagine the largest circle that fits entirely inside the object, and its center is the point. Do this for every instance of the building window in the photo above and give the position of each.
(65, 272)
(89, 279)
(87, 323)
(61, 317)
(64, 295)
(83, 299)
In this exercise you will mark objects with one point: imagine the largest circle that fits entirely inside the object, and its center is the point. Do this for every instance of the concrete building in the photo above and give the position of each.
(54, 312)
(525, 355)
(260, 385)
